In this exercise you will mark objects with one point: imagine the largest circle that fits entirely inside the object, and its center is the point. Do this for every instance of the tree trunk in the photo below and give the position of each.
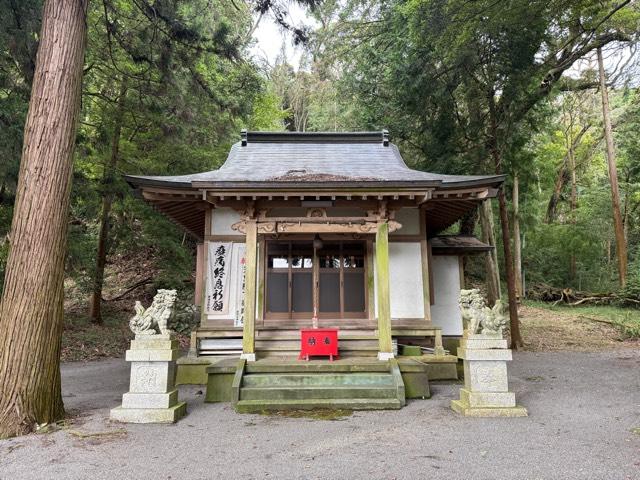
(493, 143)
(573, 203)
(31, 309)
(621, 243)
(108, 180)
(491, 258)
(514, 322)
(517, 242)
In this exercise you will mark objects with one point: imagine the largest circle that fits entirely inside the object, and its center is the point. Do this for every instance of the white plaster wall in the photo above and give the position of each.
(409, 218)
(405, 278)
(222, 219)
(445, 312)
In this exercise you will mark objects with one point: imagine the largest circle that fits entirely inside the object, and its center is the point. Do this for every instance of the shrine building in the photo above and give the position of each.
(326, 231)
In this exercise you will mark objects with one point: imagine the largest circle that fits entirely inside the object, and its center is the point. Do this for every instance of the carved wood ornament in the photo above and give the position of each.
(317, 221)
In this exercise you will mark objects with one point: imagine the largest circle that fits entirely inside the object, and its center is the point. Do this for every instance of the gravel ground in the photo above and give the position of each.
(583, 424)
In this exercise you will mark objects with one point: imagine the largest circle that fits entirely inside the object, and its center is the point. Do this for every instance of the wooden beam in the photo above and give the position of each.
(249, 320)
(385, 349)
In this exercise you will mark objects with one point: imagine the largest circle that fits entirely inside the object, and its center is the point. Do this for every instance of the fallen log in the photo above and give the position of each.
(568, 296)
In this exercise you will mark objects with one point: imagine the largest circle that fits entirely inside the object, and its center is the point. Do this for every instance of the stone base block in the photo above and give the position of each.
(152, 377)
(416, 385)
(249, 357)
(485, 376)
(385, 356)
(154, 342)
(147, 355)
(192, 370)
(149, 415)
(465, 409)
(483, 343)
(488, 399)
(150, 400)
(485, 354)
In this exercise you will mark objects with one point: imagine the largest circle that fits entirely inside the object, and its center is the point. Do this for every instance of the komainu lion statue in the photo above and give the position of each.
(477, 317)
(157, 315)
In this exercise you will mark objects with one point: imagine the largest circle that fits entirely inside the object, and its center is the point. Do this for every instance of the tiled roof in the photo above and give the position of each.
(270, 159)
(458, 244)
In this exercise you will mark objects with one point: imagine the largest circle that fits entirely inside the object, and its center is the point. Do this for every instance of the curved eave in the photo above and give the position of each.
(139, 181)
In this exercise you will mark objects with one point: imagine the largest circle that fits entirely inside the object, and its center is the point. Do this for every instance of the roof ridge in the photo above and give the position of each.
(381, 136)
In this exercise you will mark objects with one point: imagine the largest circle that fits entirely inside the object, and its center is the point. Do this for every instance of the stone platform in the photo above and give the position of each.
(152, 396)
(486, 387)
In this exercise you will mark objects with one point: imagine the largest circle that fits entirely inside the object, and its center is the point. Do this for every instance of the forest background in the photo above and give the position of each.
(464, 88)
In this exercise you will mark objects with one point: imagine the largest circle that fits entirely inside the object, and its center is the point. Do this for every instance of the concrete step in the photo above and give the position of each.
(316, 392)
(257, 406)
(323, 379)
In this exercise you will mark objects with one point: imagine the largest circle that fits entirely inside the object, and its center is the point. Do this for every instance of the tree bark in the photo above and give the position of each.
(573, 204)
(108, 180)
(621, 243)
(491, 258)
(517, 242)
(493, 143)
(31, 309)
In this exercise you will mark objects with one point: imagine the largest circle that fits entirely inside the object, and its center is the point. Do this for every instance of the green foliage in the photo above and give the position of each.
(173, 80)
(268, 113)
(632, 287)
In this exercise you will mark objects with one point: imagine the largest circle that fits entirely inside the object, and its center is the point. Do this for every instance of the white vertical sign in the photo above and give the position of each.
(217, 300)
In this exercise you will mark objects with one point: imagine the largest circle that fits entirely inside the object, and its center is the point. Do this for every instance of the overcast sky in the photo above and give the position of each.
(270, 37)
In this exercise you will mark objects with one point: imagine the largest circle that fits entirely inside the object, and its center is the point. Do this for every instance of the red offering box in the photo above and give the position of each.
(318, 341)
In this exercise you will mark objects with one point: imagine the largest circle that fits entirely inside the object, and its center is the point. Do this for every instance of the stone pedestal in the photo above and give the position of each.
(152, 396)
(486, 389)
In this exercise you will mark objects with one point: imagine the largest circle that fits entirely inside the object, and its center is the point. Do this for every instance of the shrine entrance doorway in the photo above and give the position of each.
(329, 279)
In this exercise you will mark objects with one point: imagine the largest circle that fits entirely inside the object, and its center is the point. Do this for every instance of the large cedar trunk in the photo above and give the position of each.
(31, 309)
(621, 242)
(108, 180)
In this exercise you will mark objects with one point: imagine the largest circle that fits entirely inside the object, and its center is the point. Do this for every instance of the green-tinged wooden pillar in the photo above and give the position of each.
(385, 349)
(251, 265)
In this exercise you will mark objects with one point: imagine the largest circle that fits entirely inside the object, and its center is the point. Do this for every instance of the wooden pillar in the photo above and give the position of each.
(204, 272)
(262, 248)
(249, 320)
(385, 349)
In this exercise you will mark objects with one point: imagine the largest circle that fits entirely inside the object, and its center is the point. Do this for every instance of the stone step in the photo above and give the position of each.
(325, 379)
(287, 366)
(316, 392)
(257, 406)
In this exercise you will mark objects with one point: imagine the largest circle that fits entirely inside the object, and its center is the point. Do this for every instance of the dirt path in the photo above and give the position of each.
(547, 330)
